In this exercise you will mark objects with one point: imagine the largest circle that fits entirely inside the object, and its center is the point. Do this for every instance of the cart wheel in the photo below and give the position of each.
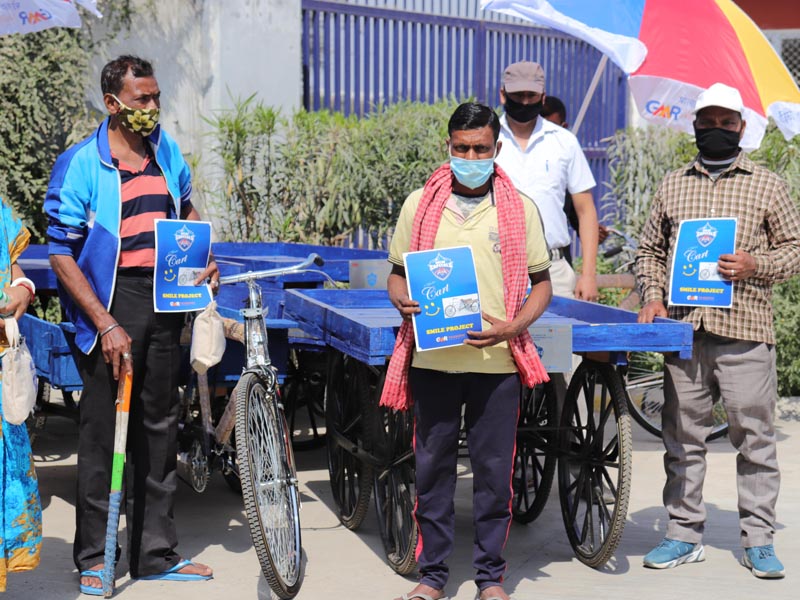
(536, 458)
(644, 388)
(594, 468)
(395, 492)
(347, 392)
(303, 397)
(38, 418)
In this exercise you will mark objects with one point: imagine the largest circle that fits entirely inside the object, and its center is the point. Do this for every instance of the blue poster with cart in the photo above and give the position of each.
(182, 250)
(445, 284)
(695, 279)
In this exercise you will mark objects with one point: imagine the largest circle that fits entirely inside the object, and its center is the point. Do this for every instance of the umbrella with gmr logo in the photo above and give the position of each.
(674, 49)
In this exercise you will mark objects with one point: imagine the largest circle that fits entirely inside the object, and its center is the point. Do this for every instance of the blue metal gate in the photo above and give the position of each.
(357, 56)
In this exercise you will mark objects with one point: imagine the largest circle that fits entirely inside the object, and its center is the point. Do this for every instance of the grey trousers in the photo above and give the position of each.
(742, 374)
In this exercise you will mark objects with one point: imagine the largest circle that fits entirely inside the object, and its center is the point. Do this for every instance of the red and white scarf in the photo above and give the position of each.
(513, 253)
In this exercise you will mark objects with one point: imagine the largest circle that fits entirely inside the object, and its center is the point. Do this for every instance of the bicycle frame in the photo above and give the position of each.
(255, 333)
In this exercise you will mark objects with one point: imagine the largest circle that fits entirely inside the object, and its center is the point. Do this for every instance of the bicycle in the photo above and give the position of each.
(644, 374)
(264, 456)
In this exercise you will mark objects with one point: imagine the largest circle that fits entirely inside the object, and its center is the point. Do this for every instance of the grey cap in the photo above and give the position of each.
(524, 76)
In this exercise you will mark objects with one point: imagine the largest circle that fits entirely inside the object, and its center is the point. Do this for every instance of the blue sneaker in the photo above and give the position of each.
(671, 553)
(761, 560)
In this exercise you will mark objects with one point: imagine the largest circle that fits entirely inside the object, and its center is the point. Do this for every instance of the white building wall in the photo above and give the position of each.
(207, 54)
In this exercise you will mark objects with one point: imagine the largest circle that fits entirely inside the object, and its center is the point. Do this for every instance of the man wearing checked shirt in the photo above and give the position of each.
(733, 355)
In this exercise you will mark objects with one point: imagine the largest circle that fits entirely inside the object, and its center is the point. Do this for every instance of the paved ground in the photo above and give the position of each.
(344, 564)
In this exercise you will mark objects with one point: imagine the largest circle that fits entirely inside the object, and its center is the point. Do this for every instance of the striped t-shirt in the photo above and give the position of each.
(144, 199)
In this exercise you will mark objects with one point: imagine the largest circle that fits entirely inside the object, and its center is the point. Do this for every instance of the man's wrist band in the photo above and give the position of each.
(27, 284)
(109, 328)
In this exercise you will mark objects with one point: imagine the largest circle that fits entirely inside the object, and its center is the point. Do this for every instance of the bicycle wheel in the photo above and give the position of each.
(269, 482)
(594, 467)
(395, 491)
(536, 457)
(347, 393)
(644, 389)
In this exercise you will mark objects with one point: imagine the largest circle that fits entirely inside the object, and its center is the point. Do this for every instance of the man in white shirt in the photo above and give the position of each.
(545, 161)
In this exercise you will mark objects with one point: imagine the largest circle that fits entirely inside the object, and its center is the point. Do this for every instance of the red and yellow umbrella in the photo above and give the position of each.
(674, 49)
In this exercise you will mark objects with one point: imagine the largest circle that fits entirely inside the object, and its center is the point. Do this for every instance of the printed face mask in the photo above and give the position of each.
(138, 120)
(472, 174)
(716, 143)
(522, 113)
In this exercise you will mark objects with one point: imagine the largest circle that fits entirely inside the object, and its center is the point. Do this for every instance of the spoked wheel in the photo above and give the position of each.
(348, 392)
(304, 398)
(395, 491)
(269, 483)
(536, 458)
(594, 468)
(644, 387)
(38, 418)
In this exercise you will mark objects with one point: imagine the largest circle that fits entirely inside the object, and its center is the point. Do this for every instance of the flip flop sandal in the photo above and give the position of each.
(173, 575)
(88, 589)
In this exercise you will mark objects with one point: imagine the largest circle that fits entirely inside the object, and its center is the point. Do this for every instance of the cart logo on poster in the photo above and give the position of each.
(449, 302)
(695, 279)
(706, 234)
(182, 250)
(441, 267)
(184, 237)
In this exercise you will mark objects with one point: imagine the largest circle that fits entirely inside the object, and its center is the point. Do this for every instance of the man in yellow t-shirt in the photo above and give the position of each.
(483, 375)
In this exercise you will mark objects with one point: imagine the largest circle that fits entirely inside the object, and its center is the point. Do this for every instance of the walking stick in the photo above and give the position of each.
(118, 467)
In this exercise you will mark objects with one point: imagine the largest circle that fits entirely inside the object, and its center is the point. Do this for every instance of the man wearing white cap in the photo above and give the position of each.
(545, 161)
(733, 356)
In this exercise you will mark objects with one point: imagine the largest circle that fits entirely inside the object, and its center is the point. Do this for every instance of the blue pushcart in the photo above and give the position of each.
(330, 348)
(297, 356)
(584, 443)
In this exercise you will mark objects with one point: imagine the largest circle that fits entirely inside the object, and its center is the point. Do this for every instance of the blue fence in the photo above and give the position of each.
(358, 56)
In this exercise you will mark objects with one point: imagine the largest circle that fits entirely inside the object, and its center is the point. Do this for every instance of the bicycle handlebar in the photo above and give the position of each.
(628, 243)
(628, 239)
(311, 259)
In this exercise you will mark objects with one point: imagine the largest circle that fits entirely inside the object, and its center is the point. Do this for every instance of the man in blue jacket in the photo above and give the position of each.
(103, 198)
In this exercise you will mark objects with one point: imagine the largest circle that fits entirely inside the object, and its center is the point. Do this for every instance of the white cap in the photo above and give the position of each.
(720, 95)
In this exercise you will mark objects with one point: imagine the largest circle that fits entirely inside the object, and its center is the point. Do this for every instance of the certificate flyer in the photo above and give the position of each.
(695, 279)
(182, 250)
(445, 284)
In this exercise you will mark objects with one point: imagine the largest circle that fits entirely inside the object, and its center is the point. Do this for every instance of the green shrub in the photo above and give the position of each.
(320, 177)
(43, 77)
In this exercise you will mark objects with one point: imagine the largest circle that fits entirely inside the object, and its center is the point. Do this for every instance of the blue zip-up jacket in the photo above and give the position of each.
(84, 207)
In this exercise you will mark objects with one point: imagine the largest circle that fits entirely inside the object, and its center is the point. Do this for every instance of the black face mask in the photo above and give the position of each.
(716, 143)
(522, 113)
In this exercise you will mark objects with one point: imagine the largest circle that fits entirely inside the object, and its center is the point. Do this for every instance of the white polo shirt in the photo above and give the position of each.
(551, 165)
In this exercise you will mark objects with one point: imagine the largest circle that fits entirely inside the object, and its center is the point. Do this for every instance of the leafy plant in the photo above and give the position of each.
(321, 177)
(638, 161)
(43, 106)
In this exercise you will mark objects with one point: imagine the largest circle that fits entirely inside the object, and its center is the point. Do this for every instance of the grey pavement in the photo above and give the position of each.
(346, 564)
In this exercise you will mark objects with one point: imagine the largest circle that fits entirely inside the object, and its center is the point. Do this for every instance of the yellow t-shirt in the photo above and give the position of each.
(478, 230)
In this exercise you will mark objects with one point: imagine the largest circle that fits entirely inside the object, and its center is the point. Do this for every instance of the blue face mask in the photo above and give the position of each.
(472, 173)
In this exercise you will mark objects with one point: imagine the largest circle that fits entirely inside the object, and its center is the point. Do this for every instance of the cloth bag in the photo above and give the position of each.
(208, 339)
(20, 383)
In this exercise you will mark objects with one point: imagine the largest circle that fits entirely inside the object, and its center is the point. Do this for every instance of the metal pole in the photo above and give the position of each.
(587, 99)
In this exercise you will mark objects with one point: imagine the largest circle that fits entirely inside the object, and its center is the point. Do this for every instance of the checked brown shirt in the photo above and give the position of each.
(768, 228)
